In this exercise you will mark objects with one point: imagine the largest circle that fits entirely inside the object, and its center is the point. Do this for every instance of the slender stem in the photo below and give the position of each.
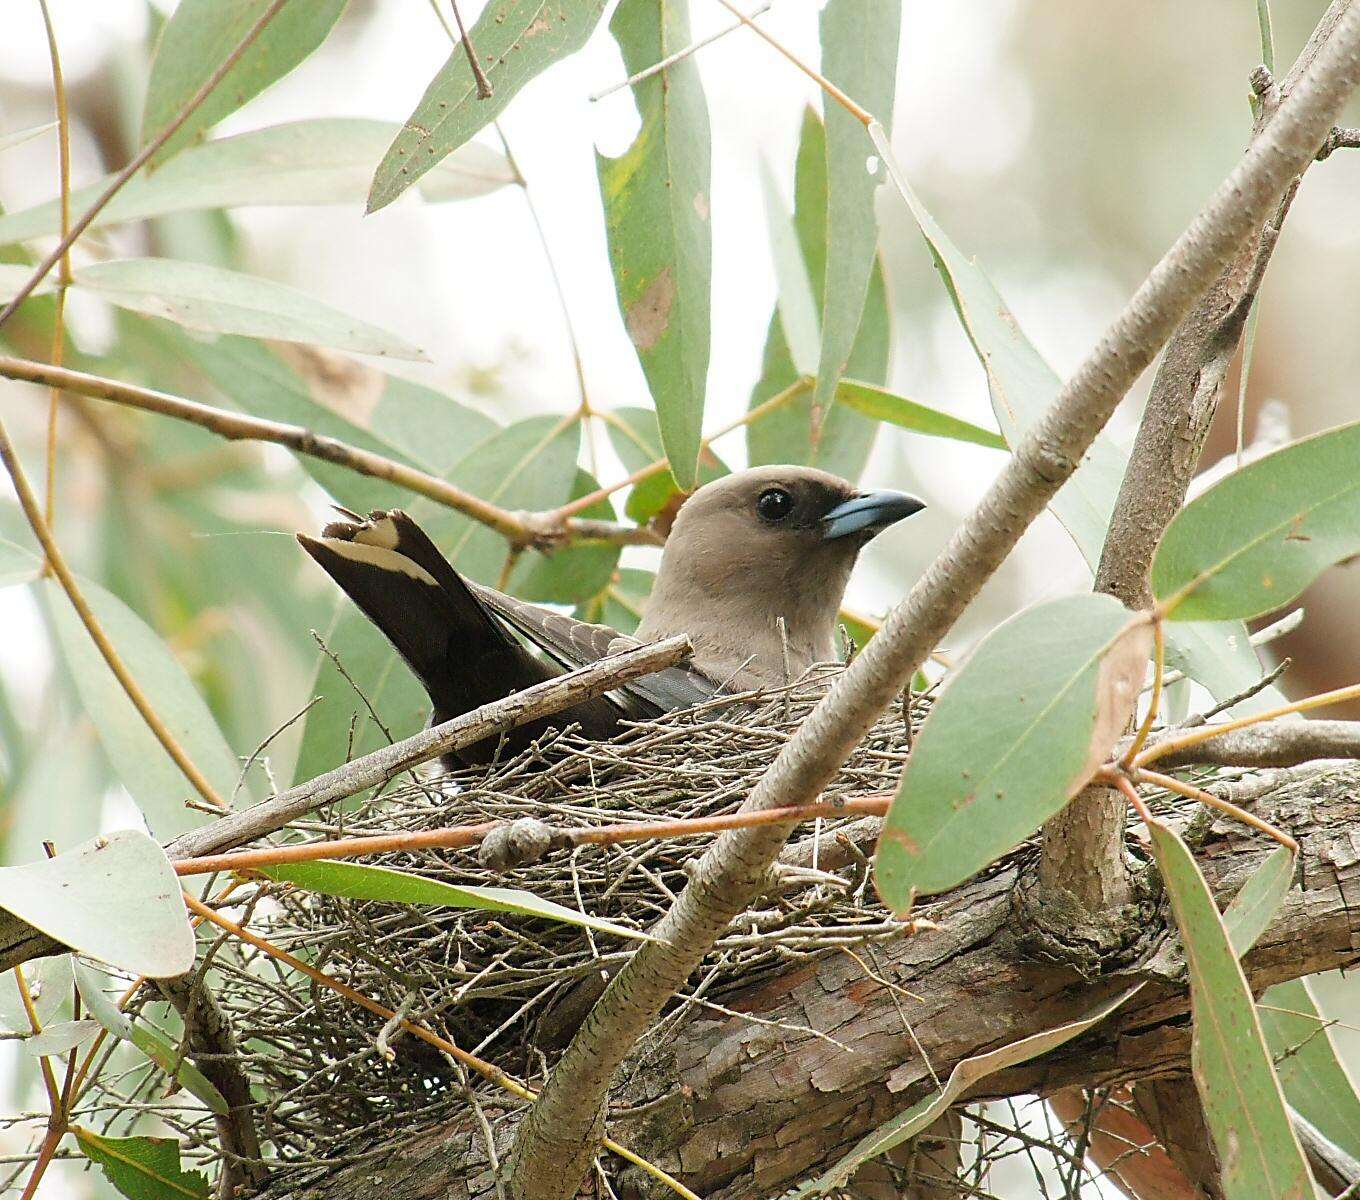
(49, 1079)
(138, 161)
(1155, 701)
(64, 267)
(862, 116)
(461, 836)
(29, 503)
(1204, 733)
(483, 83)
(1123, 783)
(1172, 784)
(486, 1070)
(45, 1155)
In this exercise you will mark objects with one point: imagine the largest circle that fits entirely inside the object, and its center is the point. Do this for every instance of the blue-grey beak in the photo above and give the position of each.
(869, 513)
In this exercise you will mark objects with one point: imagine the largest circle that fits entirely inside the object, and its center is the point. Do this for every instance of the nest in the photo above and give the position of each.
(332, 1082)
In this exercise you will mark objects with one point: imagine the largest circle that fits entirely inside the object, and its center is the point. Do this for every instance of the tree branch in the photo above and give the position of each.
(519, 528)
(735, 1111)
(555, 1143)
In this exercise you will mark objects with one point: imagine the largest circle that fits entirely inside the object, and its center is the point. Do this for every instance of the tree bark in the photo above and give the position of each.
(738, 1110)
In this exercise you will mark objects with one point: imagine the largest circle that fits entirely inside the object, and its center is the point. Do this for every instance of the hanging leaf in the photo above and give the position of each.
(60, 1038)
(169, 1058)
(1256, 539)
(213, 299)
(1315, 1080)
(574, 573)
(357, 881)
(1243, 1104)
(196, 41)
(20, 136)
(516, 40)
(325, 161)
(636, 438)
(142, 1168)
(656, 203)
(883, 405)
(1016, 732)
(1022, 385)
(785, 434)
(1251, 911)
(114, 898)
(968, 1072)
(148, 773)
(859, 41)
(798, 319)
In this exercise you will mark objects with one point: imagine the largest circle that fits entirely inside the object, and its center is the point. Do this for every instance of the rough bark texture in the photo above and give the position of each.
(738, 1110)
(1171, 1108)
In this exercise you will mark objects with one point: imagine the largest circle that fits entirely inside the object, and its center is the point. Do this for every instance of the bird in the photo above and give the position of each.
(753, 573)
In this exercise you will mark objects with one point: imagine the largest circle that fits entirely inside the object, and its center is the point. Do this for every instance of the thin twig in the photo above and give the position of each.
(1171, 784)
(138, 161)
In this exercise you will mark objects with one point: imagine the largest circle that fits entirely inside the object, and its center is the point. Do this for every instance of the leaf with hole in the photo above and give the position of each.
(968, 1072)
(656, 204)
(859, 40)
(1256, 539)
(195, 42)
(169, 1058)
(1243, 1104)
(324, 161)
(142, 1168)
(515, 40)
(215, 300)
(114, 898)
(1016, 732)
(358, 881)
(1022, 385)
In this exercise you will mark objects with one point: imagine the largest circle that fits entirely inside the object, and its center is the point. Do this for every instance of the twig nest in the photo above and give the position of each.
(518, 843)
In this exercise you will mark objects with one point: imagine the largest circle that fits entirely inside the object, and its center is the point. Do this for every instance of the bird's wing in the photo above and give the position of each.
(458, 648)
(574, 643)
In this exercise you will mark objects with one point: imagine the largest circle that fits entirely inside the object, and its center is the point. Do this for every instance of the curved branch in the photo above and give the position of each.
(558, 1136)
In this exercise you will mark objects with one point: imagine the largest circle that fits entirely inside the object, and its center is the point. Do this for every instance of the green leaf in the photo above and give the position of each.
(516, 40)
(656, 203)
(317, 162)
(20, 136)
(620, 604)
(798, 320)
(59, 1038)
(1016, 732)
(196, 41)
(1251, 911)
(1315, 1080)
(357, 881)
(859, 41)
(1255, 540)
(1243, 1104)
(1022, 385)
(115, 898)
(142, 764)
(576, 573)
(18, 564)
(169, 1058)
(213, 299)
(785, 434)
(636, 438)
(968, 1072)
(883, 405)
(142, 1168)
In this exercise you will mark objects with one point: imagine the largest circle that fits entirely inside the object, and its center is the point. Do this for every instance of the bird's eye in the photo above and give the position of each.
(774, 504)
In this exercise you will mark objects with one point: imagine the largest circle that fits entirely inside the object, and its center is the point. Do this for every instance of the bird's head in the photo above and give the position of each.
(776, 527)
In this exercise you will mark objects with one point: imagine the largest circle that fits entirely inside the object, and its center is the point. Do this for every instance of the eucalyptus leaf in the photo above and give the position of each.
(1243, 1104)
(968, 1072)
(636, 438)
(20, 136)
(169, 1058)
(516, 40)
(142, 1168)
(859, 40)
(883, 405)
(574, 573)
(115, 898)
(216, 300)
(18, 564)
(620, 604)
(358, 881)
(798, 319)
(656, 203)
(1016, 732)
(197, 40)
(1022, 385)
(1257, 538)
(1251, 911)
(148, 773)
(62, 1037)
(324, 161)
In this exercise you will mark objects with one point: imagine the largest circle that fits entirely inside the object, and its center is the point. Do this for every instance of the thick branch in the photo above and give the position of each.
(19, 941)
(737, 1109)
(518, 527)
(1278, 744)
(558, 1137)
